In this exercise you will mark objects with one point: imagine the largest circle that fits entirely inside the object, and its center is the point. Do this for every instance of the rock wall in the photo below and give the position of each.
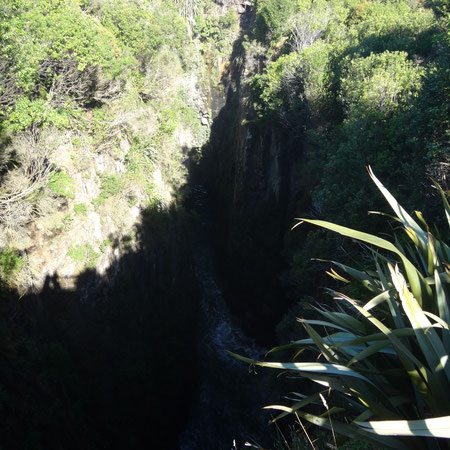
(253, 171)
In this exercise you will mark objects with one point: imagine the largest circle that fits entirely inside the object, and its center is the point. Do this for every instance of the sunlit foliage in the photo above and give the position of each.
(367, 83)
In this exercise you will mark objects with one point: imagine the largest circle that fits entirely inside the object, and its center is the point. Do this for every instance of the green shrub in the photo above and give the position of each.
(61, 184)
(84, 253)
(383, 359)
(379, 83)
(67, 222)
(129, 239)
(210, 28)
(97, 202)
(10, 262)
(293, 79)
(27, 113)
(144, 29)
(272, 17)
(36, 31)
(140, 162)
(394, 25)
(81, 209)
(111, 185)
(100, 125)
(105, 245)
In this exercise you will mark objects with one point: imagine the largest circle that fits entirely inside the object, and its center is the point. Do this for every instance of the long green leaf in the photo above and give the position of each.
(363, 277)
(442, 298)
(445, 278)
(289, 410)
(336, 384)
(380, 298)
(418, 286)
(432, 256)
(403, 332)
(406, 219)
(391, 301)
(353, 432)
(444, 200)
(438, 427)
(348, 342)
(424, 380)
(427, 337)
(356, 389)
(439, 322)
(369, 351)
(324, 348)
(331, 340)
(293, 345)
(314, 367)
(323, 323)
(344, 320)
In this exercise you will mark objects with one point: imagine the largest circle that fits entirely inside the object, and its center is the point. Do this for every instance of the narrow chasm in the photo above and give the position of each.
(226, 412)
(153, 157)
(118, 337)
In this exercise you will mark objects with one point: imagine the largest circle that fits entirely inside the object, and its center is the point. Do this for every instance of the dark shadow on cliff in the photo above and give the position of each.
(248, 199)
(107, 364)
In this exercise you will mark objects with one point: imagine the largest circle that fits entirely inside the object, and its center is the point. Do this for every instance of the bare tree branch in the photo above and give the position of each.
(32, 156)
(307, 27)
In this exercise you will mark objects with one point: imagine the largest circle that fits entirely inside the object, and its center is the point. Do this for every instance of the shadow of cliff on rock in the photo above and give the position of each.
(102, 365)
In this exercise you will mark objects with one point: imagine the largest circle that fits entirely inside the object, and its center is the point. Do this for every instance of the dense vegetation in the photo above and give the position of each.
(91, 93)
(364, 83)
(356, 84)
(101, 101)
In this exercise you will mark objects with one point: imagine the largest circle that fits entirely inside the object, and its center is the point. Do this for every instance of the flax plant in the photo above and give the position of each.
(385, 360)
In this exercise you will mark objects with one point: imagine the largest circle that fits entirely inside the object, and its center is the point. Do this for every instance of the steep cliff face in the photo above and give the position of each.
(90, 356)
(254, 173)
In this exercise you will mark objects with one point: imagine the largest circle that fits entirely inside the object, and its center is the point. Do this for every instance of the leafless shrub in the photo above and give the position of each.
(50, 223)
(46, 205)
(162, 76)
(32, 158)
(307, 27)
(228, 3)
(116, 129)
(65, 82)
(34, 150)
(16, 214)
(18, 238)
(106, 90)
